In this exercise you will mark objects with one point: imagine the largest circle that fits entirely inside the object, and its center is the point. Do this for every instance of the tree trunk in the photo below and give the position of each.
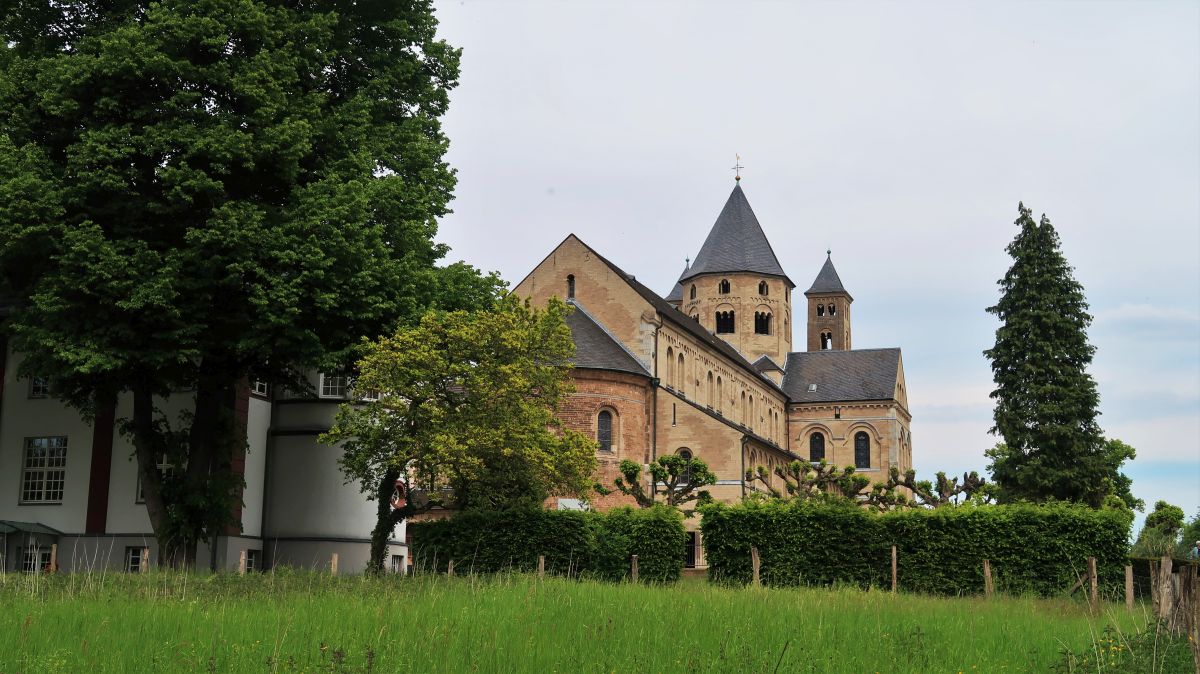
(386, 519)
(145, 445)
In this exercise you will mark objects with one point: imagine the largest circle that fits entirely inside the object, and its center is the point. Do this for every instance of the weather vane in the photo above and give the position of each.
(737, 168)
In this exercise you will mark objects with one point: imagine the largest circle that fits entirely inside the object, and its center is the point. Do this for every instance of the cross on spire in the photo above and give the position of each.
(737, 168)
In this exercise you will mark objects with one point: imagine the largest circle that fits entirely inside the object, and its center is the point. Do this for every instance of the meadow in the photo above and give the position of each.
(311, 622)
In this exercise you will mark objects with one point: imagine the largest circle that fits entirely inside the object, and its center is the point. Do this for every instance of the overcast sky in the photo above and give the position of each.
(901, 136)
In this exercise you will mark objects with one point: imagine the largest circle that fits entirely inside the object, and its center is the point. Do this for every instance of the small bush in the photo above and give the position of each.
(575, 543)
(1153, 650)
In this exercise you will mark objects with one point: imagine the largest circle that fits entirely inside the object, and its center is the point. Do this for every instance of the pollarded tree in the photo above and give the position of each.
(194, 193)
(1045, 399)
(675, 481)
(465, 416)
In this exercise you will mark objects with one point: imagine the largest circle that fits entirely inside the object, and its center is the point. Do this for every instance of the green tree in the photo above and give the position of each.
(1045, 399)
(1160, 533)
(194, 193)
(675, 481)
(466, 416)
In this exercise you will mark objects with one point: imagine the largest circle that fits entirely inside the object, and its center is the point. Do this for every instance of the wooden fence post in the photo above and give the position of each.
(1093, 582)
(242, 563)
(53, 557)
(450, 568)
(541, 566)
(895, 575)
(333, 560)
(633, 570)
(988, 588)
(1166, 598)
(1129, 586)
(145, 565)
(755, 567)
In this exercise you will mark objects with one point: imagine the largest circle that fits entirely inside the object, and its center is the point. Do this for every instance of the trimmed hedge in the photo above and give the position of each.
(596, 545)
(1038, 549)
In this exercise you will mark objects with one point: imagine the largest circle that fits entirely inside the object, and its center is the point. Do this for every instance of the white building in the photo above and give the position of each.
(66, 482)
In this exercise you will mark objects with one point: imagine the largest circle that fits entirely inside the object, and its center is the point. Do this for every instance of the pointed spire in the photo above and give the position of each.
(736, 243)
(676, 294)
(827, 280)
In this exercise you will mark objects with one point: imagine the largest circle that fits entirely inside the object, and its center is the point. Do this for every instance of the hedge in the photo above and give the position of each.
(589, 544)
(1040, 549)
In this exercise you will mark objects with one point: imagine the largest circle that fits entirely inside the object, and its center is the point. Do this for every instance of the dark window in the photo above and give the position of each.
(762, 323)
(820, 309)
(826, 341)
(689, 559)
(693, 294)
(816, 447)
(724, 322)
(686, 477)
(604, 431)
(570, 286)
(723, 287)
(763, 289)
(832, 309)
(862, 450)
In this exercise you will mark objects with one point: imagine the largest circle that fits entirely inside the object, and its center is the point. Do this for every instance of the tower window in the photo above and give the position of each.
(604, 430)
(762, 323)
(826, 341)
(763, 289)
(570, 286)
(832, 309)
(820, 309)
(862, 450)
(724, 322)
(693, 292)
(723, 287)
(816, 447)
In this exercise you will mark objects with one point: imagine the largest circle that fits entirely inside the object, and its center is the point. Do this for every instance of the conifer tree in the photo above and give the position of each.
(1046, 402)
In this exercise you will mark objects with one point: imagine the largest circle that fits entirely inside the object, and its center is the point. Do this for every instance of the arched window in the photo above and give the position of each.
(762, 323)
(723, 287)
(816, 447)
(862, 450)
(685, 454)
(709, 390)
(570, 286)
(720, 394)
(745, 415)
(693, 293)
(604, 430)
(826, 341)
(832, 309)
(670, 367)
(750, 421)
(724, 322)
(681, 375)
(763, 288)
(820, 309)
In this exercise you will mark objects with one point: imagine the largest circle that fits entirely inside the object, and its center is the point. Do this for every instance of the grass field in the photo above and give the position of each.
(308, 622)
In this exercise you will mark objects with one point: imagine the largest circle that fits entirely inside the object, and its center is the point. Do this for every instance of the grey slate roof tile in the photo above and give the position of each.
(595, 348)
(736, 243)
(841, 376)
(827, 280)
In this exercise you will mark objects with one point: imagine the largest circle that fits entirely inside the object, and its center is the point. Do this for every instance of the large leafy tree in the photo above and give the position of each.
(465, 416)
(1046, 402)
(197, 192)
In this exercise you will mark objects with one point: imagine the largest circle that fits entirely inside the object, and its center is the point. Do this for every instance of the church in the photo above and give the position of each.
(709, 370)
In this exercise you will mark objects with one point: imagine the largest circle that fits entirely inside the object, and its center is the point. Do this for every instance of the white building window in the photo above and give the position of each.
(397, 563)
(260, 388)
(35, 559)
(134, 559)
(39, 387)
(253, 560)
(334, 385)
(45, 470)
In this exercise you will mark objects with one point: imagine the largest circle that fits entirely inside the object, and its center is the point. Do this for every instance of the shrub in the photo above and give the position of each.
(1040, 549)
(575, 543)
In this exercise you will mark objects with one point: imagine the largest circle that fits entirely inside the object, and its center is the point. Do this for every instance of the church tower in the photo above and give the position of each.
(828, 311)
(737, 288)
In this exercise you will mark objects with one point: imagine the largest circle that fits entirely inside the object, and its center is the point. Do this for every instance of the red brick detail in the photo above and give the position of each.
(96, 520)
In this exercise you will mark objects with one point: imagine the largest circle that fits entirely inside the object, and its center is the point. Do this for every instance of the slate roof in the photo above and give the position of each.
(676, 294)
(682, 320)
(736, 243)
(595, 348)
(827, 280)
(766, 364)
(842, 376)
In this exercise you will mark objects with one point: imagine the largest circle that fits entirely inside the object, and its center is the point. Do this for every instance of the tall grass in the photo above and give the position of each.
(310, 622)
